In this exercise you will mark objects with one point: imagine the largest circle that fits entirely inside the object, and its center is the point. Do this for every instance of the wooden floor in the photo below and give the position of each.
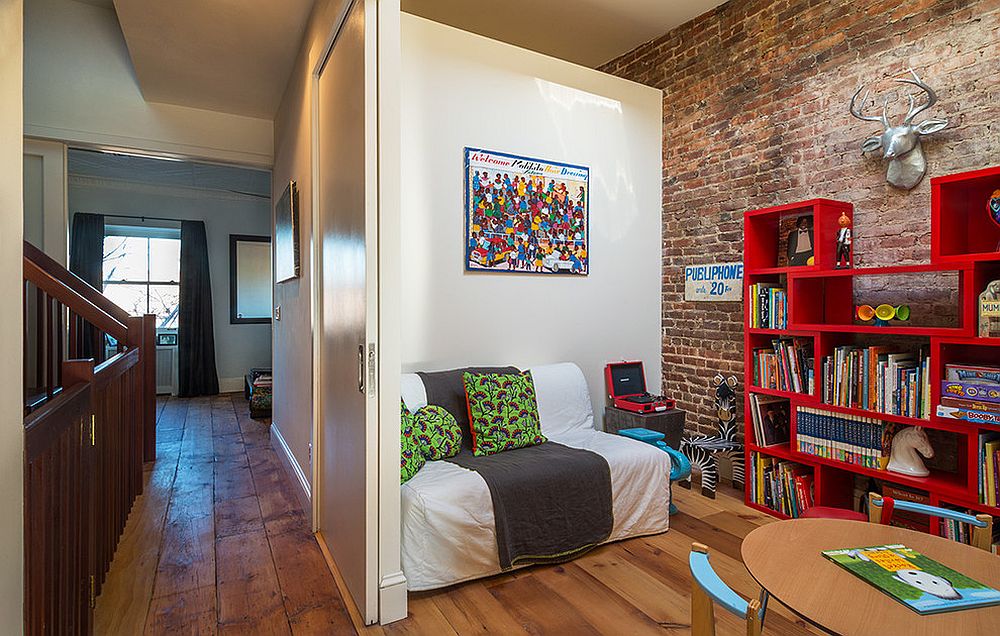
(640, 586)
(218, 544)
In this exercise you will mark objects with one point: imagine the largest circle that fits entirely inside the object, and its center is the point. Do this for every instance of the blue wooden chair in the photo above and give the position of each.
(707, 589)
(880, 510)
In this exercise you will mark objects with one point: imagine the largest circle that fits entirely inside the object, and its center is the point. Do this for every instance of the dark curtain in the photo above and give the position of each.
(86, 260)
(195, 331)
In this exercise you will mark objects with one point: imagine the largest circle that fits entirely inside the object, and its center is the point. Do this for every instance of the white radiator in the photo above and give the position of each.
(166, 370)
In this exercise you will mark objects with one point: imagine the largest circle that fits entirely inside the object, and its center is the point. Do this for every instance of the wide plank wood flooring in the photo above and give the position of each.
(218, 543)
(639, 586)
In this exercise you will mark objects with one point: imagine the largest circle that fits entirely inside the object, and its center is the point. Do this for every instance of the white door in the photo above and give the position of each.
(347, 495)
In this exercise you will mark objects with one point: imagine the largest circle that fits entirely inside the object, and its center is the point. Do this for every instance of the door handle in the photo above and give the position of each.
(361, 368)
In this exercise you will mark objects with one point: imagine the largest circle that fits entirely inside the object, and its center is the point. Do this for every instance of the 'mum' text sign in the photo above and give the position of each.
(715, 282)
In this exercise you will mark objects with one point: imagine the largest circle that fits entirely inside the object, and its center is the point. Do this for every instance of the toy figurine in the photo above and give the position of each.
(906, 445)
(994, 207)
(800, 242)
(989, 311)
(844, 242)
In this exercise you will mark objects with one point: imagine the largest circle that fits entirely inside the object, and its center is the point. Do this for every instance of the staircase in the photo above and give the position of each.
(89, 424)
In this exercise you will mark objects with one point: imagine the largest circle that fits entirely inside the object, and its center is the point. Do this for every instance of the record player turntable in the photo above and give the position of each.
(627, 389)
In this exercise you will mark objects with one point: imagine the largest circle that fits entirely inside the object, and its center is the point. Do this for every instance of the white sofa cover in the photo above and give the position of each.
(449, 534)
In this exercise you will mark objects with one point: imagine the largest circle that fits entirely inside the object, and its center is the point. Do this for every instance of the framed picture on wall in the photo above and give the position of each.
(525, 215)
(286, 235)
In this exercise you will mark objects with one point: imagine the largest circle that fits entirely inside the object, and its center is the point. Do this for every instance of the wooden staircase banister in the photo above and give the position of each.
(50, 266)
(89, 426)
(82, 306)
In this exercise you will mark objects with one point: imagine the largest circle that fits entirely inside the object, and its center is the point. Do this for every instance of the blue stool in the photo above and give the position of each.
(680, 466)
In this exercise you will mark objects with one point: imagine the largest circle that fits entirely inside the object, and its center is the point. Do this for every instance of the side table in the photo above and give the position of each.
(670, 423)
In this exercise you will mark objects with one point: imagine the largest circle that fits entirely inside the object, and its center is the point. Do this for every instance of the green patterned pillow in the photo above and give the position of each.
(411, 459)
(438, 432)
(503, 413)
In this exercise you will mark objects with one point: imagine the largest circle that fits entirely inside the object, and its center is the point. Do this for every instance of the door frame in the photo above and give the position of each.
(385, 584)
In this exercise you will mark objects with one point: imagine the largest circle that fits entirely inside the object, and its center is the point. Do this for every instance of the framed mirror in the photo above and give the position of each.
(249, 279)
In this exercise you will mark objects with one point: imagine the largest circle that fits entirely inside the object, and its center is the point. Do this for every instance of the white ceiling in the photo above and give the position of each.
(235, 56)
(232, 56)
(588, 32)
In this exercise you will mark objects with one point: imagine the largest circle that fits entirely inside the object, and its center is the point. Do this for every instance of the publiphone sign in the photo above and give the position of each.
(715, 282)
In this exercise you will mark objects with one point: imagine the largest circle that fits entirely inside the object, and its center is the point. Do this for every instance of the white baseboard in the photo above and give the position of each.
(392, 598)
(232, 385)
(304, 491)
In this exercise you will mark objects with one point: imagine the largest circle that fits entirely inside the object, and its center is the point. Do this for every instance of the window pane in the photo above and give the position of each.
(125, 258)
(131, 298)
(164, 259)
(163, 301)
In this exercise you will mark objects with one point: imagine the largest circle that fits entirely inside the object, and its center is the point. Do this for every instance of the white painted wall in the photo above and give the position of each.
(45, 224)
(79, 87)
(11, 392)
(460, 90)
(237, 347)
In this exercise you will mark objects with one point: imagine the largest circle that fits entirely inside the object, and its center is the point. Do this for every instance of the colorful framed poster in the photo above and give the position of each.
(524, 215)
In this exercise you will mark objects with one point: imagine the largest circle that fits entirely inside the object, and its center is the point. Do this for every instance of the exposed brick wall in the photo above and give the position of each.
(755, 114)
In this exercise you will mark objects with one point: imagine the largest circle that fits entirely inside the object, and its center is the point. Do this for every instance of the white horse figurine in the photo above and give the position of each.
(906, 445)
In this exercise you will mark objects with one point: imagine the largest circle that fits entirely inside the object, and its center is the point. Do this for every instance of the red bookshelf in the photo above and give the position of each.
(821, 310)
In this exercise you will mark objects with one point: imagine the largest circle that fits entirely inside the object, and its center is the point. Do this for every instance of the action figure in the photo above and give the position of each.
(844, 242)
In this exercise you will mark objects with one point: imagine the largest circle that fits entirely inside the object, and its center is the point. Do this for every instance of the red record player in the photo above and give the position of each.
(627, 389)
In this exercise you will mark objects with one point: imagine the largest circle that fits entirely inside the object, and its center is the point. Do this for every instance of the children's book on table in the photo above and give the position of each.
(915, 580)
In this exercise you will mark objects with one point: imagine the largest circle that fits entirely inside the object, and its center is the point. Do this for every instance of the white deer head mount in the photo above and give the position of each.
(901, 144)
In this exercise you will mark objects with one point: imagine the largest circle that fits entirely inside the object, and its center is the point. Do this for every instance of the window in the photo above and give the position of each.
(142, 271)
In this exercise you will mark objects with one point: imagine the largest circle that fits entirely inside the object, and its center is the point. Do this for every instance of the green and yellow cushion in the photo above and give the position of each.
(438, 433)
(503, 413)
(411, 458)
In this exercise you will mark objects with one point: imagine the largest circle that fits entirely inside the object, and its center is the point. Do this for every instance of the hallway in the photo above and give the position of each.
(218, 542)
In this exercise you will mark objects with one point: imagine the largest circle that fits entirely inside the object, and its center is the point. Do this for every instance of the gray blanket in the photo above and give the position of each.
(551, 502)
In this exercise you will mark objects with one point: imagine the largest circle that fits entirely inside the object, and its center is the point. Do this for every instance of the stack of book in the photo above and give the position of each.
(844, 438)
(904, 518)
(970, 393)
(786, 366)
(875, 379)
(769, 306)
(780, 485)
(771, 419)
(958, 531)
(989, 468)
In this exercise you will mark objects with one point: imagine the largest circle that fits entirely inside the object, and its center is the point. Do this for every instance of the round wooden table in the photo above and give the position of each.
(785, 559)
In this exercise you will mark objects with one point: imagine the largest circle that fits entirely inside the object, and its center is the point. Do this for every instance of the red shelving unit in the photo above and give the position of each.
(821, 308)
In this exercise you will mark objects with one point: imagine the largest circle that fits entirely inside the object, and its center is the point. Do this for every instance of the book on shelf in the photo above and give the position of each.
(878, 379)
(989, 468)
(771, 418)
(962, 533)
(780, 485)
(904, 518)
(851, 439)
(768, 306)
(786, 366)
(913, 579)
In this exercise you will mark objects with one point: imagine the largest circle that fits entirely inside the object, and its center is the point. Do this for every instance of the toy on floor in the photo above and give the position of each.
(680, 467)
(703, 450)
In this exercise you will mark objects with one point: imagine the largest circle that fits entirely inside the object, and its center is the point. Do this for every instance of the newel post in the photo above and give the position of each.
(142, 334)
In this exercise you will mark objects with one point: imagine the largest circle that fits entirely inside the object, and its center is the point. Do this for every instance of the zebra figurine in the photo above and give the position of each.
(703, 450)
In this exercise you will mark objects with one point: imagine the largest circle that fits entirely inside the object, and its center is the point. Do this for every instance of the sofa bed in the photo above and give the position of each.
(449, 532)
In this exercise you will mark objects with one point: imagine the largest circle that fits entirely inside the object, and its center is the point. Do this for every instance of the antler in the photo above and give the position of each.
(916, 110)
(858, 112)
